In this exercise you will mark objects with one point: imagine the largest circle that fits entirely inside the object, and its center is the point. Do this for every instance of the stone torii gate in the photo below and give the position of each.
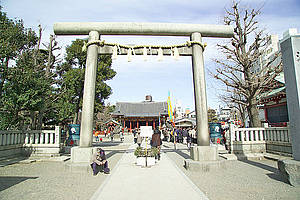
(195, 31)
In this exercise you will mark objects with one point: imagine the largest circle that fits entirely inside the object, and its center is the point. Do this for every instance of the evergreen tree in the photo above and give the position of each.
(72, 81)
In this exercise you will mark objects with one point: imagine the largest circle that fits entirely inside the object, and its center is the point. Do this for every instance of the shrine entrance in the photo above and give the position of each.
(194, 47)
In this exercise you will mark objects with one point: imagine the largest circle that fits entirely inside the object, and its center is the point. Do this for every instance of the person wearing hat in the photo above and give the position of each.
(99, 161)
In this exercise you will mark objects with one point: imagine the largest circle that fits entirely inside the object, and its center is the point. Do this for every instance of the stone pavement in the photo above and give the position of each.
(164, 180)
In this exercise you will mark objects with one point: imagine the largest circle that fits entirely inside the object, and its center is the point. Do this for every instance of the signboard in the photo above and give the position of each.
(146, 131)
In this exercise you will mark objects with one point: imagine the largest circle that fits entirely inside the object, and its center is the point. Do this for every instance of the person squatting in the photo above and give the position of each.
(99, 162)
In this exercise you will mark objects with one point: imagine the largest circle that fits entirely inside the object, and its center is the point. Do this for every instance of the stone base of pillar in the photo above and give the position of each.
(80, 160)
(82, 154)
(78, 167)
(290, 169)
(205, 166)
(204, 153)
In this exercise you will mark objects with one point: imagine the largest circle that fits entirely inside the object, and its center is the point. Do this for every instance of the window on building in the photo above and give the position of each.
(278, 114)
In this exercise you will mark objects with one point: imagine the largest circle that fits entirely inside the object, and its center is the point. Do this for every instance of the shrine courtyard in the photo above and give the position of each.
(51, 179)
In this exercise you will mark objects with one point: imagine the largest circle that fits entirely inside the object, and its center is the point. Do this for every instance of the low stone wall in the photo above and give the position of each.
(281, 148)
(244, 147)
(10, 150)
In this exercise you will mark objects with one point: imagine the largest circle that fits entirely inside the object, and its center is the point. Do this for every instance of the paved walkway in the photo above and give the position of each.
(164, 180)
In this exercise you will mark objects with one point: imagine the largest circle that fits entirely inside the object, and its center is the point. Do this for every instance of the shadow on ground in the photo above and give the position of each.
(275, 174)
(178, 151)
(113, 152)
(13, 160)
(9, 181)
(106, 143)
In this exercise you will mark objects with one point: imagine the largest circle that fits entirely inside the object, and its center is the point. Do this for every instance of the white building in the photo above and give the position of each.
(224, 114)
(268, 54)
(191, 114)
(179, 110)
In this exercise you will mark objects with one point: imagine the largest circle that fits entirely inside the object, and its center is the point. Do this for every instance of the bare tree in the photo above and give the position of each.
(103, 117)
(236, 107)
(236, 71)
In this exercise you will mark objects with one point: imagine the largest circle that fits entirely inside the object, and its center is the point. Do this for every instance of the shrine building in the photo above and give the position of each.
(275, 104)
(146, 113)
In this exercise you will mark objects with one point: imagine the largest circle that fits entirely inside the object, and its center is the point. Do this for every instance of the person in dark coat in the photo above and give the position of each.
(134, 132)
(99, 160)
(156, 141)
(188, 140)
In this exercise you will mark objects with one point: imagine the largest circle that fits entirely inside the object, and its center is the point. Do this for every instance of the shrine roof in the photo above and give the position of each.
(141, 109)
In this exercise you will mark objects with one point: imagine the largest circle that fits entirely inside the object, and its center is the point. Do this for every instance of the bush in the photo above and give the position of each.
(140, 152)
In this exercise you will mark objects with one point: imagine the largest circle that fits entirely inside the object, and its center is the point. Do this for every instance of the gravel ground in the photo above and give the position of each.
(52, 180)
(239, 180)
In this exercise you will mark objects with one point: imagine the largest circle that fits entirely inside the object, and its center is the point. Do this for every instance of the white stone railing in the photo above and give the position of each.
(11, 137)
(254, 140)
(247, 134)
(277, 134)
(32, 141)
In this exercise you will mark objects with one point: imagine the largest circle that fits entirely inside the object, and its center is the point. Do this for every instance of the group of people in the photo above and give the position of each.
(110, 132)
(186, 136)
(99, 162)
(181, 135)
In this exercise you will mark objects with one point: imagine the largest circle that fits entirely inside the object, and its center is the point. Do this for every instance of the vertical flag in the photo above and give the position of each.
(170, 111)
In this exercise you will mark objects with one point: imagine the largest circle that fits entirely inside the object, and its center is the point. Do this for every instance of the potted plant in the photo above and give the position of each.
(145, 157)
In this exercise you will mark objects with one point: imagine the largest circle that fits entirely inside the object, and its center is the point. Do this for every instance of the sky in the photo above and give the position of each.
(138, 78)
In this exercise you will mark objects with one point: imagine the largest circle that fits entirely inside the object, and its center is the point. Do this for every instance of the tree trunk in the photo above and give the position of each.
(33, 120)
(40, 119)
(49, 57)
(76, 118)
(253, 114)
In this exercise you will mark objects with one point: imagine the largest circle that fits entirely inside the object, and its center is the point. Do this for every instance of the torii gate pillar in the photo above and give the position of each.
(200, 91)
(87, 119)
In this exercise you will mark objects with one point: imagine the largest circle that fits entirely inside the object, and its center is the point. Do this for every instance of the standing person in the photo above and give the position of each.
(184, 135)
(180, 137)
(156, 141)
(97, 137)
(175, 134)
(171, 135)
(112, 135)
(165, 134)
(99, 160)
(121, 136)
(188, 140)
(139, 139)
(134, 135)
(193, 135)
(174, 137)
